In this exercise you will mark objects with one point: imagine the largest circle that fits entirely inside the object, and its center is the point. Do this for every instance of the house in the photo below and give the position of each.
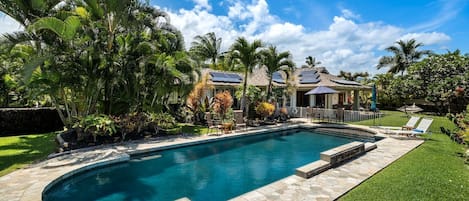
(302, 81)
(306, 79)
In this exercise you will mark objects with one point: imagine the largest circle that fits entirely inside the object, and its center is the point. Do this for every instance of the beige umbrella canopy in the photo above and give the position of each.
(412, 109)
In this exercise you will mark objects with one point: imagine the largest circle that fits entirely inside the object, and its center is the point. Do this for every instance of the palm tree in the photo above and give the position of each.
(207, 47)
(275, 61)
(311, 61)
(405, 54)
(25, 12)
(353, 77)
(245, 56)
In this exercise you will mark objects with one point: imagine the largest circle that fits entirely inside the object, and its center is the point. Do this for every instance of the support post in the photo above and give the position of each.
(356, 100)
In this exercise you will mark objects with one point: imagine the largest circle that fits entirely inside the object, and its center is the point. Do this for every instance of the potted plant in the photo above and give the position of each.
(265, 109)
(283, 114)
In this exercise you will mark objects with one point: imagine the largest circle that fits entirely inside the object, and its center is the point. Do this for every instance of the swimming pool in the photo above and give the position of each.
(213, 171)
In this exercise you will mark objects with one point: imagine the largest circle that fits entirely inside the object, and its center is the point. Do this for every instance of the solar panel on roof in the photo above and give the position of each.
(309, 77)
(346, 82)
(310, 81)
(277, 77)
(308, 73)
(225, 77)
(218, 74)
(233, 75)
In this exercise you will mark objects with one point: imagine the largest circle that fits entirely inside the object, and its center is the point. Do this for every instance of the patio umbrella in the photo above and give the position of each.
(373, 98)
(321, 90)
(412, 109)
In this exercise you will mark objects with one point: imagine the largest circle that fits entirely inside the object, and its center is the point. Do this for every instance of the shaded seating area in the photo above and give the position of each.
(213, 124)
(239, 122)
(326, 115)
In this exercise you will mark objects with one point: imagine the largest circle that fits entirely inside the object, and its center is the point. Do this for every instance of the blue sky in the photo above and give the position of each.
(343, 35)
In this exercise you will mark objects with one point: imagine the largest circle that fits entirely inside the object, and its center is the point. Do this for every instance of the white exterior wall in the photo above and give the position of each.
(312, 100)
(335, 99)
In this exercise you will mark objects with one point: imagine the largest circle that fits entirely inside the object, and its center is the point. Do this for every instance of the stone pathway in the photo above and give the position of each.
(335, 182)
(28, 184)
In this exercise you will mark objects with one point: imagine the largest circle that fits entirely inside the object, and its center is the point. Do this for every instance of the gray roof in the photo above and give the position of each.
(327, 80)
(259, 78)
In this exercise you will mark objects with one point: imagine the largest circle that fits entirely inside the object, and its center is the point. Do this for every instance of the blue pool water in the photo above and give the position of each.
(212, 171)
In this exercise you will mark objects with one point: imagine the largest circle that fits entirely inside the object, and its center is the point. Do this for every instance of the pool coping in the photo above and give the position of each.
(59, 168)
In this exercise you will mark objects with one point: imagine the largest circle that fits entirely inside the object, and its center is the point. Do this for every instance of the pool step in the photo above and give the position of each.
(312, 169)
(183, 199)
(334, 157)
(370, 146)
(343, 153)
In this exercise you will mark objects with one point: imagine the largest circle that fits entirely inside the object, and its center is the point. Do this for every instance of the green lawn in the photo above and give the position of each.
(18, 151)
(433, 171)
(190, 128)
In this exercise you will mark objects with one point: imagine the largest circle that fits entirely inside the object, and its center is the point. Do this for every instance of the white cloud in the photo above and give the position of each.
(427, 38)
(345, 45)
(237, 11)
(202, 4)
(8, 24)
(349, 14)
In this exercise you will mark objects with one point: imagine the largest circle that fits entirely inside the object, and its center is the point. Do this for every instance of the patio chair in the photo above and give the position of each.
(422, 128)
(239, 119)
(212, 124)
(409, 125)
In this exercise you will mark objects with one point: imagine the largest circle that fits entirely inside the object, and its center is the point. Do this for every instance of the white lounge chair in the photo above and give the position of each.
(410, 125)
(421, 128)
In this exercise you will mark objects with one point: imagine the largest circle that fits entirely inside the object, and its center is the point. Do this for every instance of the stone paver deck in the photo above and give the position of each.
(334, 182)
(28, 184)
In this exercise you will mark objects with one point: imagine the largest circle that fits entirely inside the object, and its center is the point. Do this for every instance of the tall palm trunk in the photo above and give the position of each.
(269, 88)
(243, 98)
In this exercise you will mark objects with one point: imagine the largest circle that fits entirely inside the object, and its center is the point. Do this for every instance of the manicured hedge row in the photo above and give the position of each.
(20, 121)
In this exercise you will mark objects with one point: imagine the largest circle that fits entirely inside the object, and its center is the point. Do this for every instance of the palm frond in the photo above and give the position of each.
(20, 37)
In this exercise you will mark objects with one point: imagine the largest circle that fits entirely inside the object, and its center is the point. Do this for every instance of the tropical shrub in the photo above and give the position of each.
(197, 101)
(91, 57)
(265, 109)
(222, 103)
(161, 120)
(461, 135)
(132, 123)
(95, 125)
(441, 79)
(462, 122)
